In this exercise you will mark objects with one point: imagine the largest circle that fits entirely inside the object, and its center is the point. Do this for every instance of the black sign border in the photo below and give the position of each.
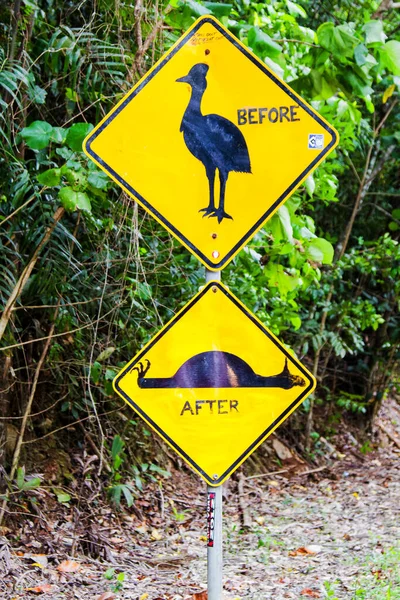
(223, 262)
(167, 438)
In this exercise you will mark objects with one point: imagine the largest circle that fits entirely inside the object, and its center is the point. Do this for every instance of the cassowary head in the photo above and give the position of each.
(196, 77)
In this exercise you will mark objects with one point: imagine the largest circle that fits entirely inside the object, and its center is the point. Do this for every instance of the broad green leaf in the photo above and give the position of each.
(95, 372)
(320, 250)
(58, 135)
(109, 374)
(360, 54)
(374, 32)
(277, 69)
(51, 177)
(20, 477)
(144, 291)
(65, 153)
(262, 44)
(117, 446)
(308, 34)
(116, 492)
(219, 9)
(62, 497)
(98, 179)
(196, 8)
(284, 218)
(283, 280)
(295, 9)
(37, 135)
(76, 134)
(31, 484)
(390, 56)
(295, 321)
(109, 574)
(128, 495)
(105, 354)
(338, 40)
(71, 95)
(72, 200)
(310, 185)
(324, 86)
(38, 95)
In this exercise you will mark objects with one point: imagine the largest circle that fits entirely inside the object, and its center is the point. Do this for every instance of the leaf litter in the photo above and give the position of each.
(305, 532)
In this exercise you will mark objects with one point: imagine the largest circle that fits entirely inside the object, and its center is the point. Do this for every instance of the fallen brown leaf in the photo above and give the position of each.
(68, 566)
(106, 596)
(41, 589)
(117, 540)
(200, 596)
(303, 551)
(310, 593)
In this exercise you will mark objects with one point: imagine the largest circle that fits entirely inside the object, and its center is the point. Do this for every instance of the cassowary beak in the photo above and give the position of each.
(185, 79)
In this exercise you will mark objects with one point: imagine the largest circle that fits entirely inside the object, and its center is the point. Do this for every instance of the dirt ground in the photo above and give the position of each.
(330, 533)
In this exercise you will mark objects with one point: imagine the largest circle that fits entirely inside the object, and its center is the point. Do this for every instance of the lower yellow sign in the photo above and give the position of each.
(214, 383)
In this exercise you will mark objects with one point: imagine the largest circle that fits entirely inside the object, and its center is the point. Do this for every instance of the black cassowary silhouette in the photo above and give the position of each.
(213, 140)
(216, 369)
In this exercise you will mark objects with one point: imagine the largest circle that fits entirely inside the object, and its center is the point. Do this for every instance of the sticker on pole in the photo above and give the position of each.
(211, 142)
(214, 383)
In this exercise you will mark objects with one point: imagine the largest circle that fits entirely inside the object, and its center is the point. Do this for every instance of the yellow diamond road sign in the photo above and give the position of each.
(211, 142)
(214, 383)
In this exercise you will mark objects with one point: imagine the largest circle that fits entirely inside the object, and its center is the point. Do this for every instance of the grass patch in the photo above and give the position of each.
(379, 580)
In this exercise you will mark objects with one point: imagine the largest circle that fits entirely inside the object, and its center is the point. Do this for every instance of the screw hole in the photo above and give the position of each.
(207, 52)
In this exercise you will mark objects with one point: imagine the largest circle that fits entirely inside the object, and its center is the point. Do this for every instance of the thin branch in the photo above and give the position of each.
(22, 281)
(57, 334)
(72, 425)
(18, 209)
(91, 363)
(144, 46)
(20, 440)
(297, 42)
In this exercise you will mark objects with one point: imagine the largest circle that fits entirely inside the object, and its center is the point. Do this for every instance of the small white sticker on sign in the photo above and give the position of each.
(315, 141)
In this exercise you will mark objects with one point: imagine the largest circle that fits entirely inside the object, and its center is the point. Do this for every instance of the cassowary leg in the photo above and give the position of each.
(220, 212)
(210, 209)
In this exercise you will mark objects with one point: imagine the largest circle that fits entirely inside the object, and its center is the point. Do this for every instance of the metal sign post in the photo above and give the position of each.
(214, 519)
(214, 543)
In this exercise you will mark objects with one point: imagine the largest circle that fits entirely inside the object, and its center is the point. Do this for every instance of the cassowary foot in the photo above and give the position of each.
(221, 214)
(141, 369)
(208, 211)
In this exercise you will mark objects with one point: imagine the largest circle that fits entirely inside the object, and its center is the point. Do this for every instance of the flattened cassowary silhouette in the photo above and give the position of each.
(216, 369)
(213, 140)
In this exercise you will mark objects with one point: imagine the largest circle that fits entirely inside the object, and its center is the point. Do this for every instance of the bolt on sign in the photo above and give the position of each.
(211, 142)
(214, 383)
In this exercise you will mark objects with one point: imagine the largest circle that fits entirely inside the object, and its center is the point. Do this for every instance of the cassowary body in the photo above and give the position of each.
(216, 369)
(213, 140)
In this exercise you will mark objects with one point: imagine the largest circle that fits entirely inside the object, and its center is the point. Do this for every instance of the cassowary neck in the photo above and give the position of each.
(194, 106)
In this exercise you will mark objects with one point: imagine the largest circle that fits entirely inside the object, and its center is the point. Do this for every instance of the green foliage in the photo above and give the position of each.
(116, 273)
(118, 578)
(136, 476)
(25, 484)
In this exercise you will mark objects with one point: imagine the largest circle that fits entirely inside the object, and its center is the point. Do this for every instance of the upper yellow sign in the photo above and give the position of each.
(214, 383)
(211, 142)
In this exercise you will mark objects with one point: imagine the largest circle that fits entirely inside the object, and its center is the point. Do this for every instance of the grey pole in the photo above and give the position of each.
(214, 547)
(214, 520)
(213, 275)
